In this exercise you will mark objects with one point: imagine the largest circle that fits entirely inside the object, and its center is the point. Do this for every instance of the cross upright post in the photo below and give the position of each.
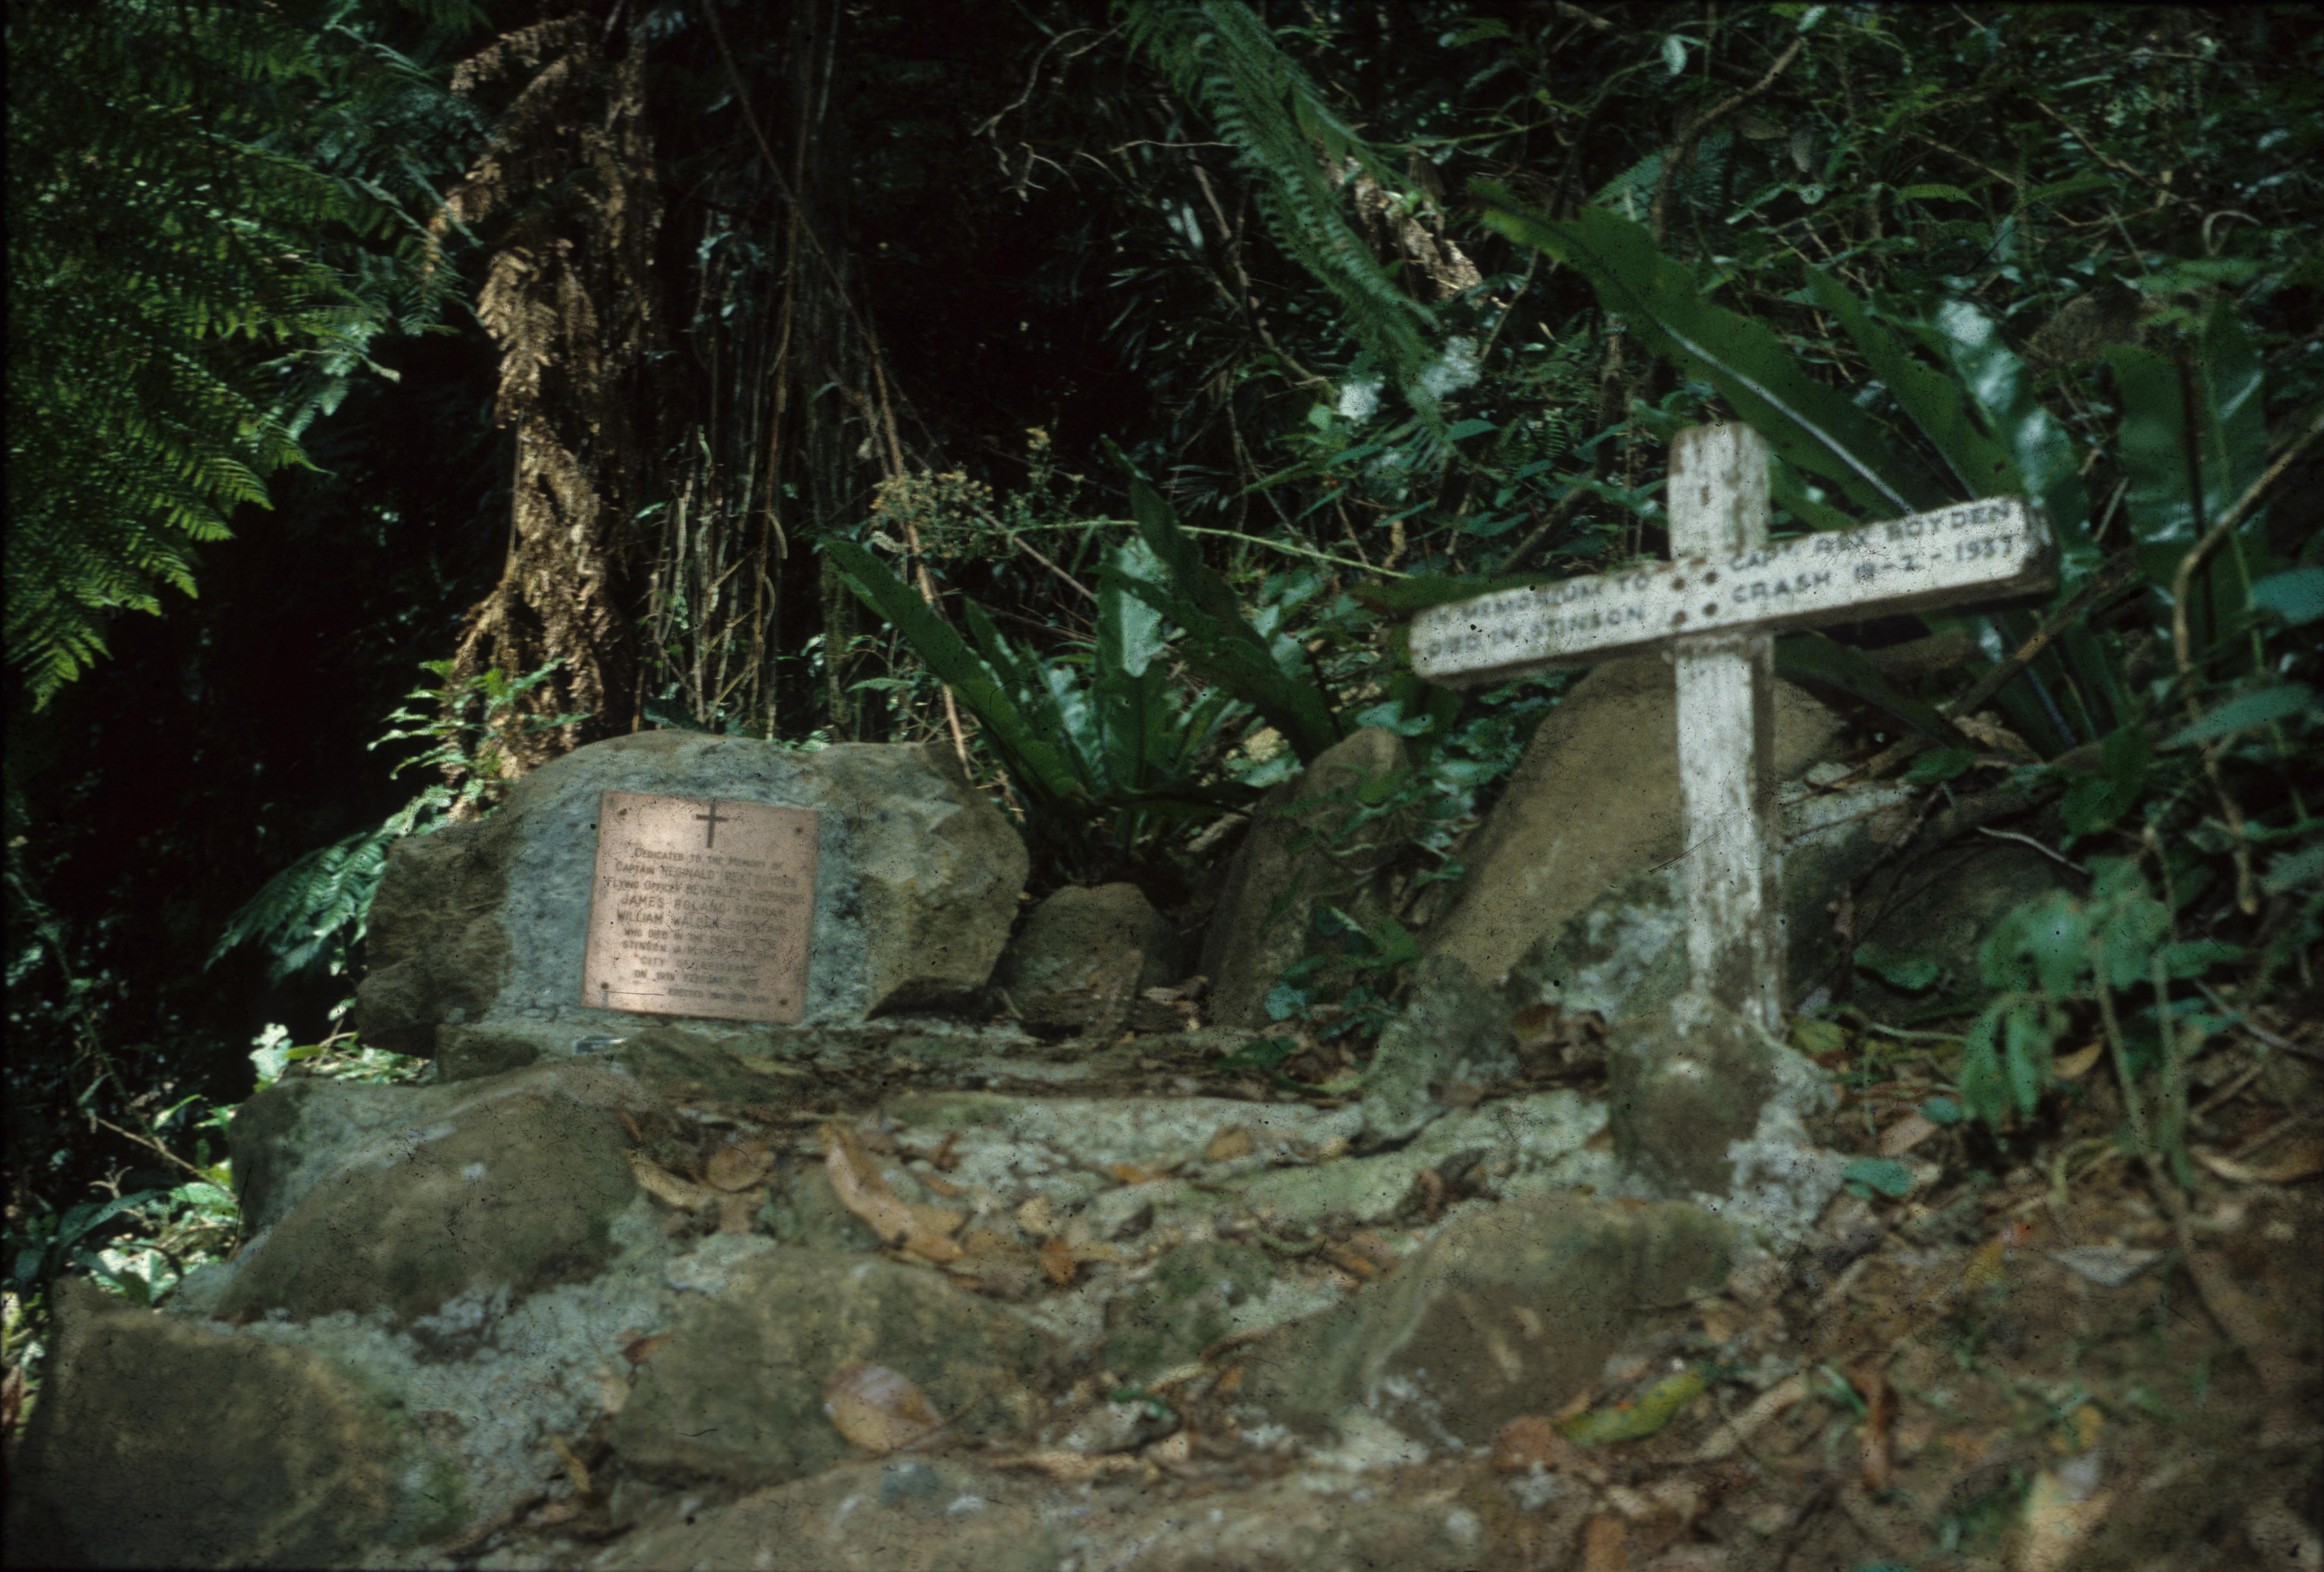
(1717, 502)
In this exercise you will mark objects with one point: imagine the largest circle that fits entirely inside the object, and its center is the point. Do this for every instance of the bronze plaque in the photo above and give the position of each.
(701, 907)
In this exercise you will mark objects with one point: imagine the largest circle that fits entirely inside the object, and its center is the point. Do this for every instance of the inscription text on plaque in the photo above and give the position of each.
(701, 908)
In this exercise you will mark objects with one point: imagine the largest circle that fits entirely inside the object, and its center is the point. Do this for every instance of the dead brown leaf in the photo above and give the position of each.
(1723, 1320)
(988, 1242)
(1724, 1442)
(861, 1189)
(1174, 1450)
(667, 1188)
(938, 1220)
(2055, 1521)
(1058, 1260)
(1530, 1441)
(2074, 1065)
(2301, 1161)
(1658, 1513)
(576, 1469)
(638, 1350)
(1072, 1467)
(1986, 728)
(1230, 1143)
(739, 1214)
(1906, 1134)
(738, 1168)
(877, 1409)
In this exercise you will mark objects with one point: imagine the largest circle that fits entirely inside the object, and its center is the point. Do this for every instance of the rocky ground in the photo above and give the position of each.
(953, 1296)
(1097, 1271)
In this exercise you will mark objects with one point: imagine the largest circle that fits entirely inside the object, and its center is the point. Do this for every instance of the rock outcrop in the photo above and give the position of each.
(484, 925)
(1623, 955)
(1595, 801)
(1320, 837)
(1499, 1313)
(1082, 935)
(1454, 1036)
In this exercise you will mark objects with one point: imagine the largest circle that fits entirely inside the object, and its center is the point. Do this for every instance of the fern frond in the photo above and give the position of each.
(1290, 137)
(189, 288)
(314, 908)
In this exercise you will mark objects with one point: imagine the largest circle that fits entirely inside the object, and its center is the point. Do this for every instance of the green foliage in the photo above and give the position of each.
(1813, 428)
(1346, 986)
(1884, 1174)
(205, 232)
(1102, 764)
(2063, 950)
(143, 1245)
(52, 1241)
(2192, 439)
(1302, 153)
(312, 912)
(1216, 642)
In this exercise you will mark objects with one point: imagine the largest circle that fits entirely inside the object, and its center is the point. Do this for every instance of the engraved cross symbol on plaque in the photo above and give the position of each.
(1716, 607)
(710, 830)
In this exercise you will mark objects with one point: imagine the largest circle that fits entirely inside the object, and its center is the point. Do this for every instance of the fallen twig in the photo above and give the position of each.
(1724, 1441)
(2245, 1023)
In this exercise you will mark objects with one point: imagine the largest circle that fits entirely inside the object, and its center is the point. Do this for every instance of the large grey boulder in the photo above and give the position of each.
(1623, 955)
(1594, 801)
(158, 1443)
(946, 1513)
(1940, 909)
(499, 1186)
(916, 882)
(1313, 840)
(1078, 936)
(1509, 1310)
(737, 1395)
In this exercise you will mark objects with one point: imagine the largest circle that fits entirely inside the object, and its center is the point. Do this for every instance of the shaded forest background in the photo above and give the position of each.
(639, 308)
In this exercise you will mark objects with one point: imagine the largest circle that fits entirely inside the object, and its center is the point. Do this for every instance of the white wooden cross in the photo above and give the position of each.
(1716, 606)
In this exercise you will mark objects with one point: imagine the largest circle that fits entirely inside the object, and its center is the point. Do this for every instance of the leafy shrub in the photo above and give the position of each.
(312, 912)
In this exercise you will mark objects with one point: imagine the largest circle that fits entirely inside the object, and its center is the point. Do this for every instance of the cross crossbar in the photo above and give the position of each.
(1716, 608)
(1980, 551)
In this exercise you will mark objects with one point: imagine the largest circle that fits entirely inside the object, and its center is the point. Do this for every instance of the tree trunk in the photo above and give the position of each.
(570, 298)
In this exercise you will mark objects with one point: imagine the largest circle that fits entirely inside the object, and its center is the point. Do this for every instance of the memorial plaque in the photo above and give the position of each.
(1980, 550)
(701, 907)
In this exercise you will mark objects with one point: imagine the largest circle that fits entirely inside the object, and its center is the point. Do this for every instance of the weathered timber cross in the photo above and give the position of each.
(710, 830)
(1716, 607)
